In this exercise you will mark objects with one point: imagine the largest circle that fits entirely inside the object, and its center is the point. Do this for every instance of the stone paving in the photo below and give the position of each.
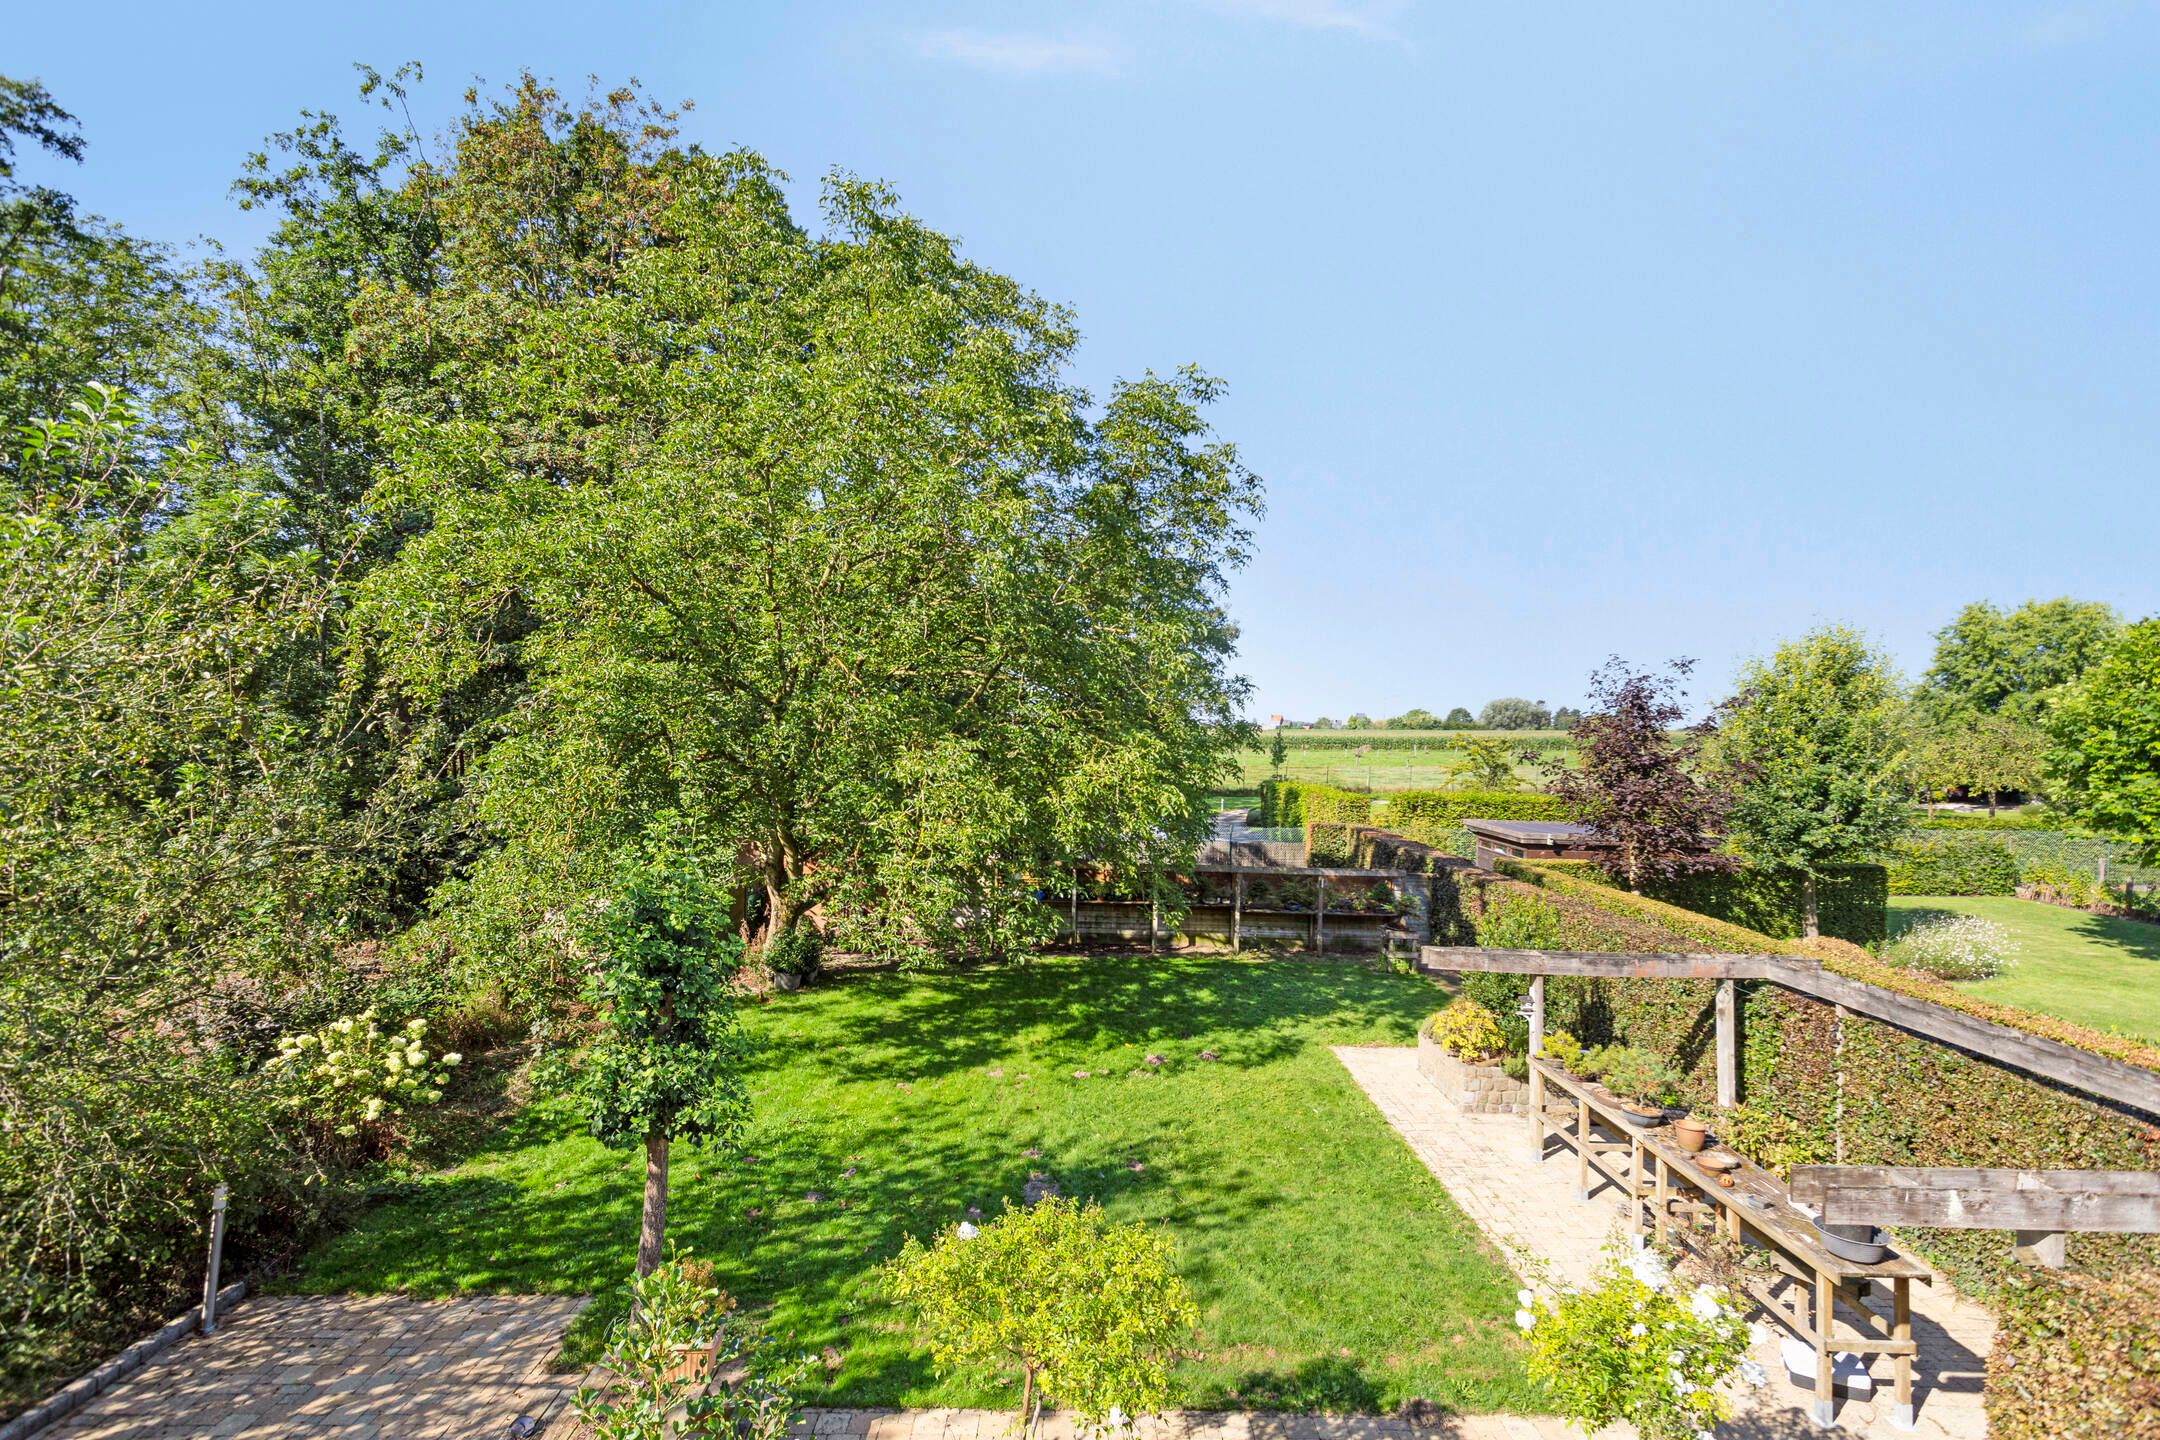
(350, 1367)
(1532, 1210)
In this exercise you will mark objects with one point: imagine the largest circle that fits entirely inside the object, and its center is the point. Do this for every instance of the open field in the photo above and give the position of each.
(2092, 969)
(1393, 759)
(1331, 1268)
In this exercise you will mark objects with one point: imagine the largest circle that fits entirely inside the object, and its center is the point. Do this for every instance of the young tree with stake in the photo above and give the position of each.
(665, 1062)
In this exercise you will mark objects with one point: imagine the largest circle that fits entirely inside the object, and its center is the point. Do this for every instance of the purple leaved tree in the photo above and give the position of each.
(1637, 780)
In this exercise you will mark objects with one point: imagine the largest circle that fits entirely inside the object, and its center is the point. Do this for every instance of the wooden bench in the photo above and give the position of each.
(1668, 1191)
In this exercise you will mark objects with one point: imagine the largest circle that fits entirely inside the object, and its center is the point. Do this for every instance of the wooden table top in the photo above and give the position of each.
(1756, 1195)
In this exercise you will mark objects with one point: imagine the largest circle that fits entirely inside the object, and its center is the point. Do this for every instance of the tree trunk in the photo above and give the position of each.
(1991, 803)
(1808, 924)
(653, 1231)
(1027, 1400)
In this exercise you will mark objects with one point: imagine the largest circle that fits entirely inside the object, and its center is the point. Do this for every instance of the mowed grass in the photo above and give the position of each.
(2095, 970)
(1378, 770)
(1331, 1269)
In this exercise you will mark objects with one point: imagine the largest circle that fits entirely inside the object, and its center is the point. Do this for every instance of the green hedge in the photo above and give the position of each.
(2074, 1359)
(1436, 816)
(1297, 802)
(2005, 821)
(1953, 865)
(2069, 850)
(1544, 742)
(1851, 901)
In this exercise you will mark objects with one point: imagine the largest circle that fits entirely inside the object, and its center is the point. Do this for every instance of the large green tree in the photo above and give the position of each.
(1813, 752)
(1992, 662)
(2107, 741)
(808, 537)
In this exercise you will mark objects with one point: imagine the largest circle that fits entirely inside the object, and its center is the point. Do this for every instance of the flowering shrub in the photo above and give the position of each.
(1635, 1348)
(1956, 947)
(1468, 1031)
(352, 1079)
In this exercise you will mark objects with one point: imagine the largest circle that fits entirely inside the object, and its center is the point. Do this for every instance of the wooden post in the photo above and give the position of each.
(1076, 905)
(1582, 1149)
(1537, 1114)
(1319, 918)
(1728, 1044)
(1154, 925)
(1237, 910)
(1825, 1322)
(217, 1258)
(1901, 1413)
(2049, 1249)
(1537, 1014)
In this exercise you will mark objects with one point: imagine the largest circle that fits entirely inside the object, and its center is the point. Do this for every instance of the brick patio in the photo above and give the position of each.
(351, 1367)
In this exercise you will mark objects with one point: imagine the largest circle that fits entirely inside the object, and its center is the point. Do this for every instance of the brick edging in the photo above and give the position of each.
(72, 1397)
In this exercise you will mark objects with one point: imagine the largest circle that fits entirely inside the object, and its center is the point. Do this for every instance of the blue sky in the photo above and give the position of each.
(1556, 331)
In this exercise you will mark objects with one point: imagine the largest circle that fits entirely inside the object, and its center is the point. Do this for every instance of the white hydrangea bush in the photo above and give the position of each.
(1637, 1347)
(1955, 947)
(353, 1080)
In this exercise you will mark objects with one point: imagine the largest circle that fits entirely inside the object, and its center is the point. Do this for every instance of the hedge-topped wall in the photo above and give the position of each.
(1436, 816)
(1851, 901)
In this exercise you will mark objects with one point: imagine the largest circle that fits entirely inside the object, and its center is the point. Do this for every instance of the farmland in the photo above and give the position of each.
(1387, 759)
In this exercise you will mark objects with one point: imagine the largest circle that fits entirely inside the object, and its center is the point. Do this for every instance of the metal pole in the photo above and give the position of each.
(217, 1256)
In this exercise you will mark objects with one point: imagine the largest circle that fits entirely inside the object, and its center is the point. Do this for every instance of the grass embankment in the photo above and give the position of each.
(1396, 759)
(2093, 970)
(1332, 1270)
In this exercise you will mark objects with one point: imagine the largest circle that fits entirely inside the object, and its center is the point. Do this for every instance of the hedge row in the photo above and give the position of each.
(1851, 901)
(1989, 822)
(1297, 802)
(1542, 742)
(1953, 865)
(1436, 816)
(2075, 1359)
(2068, 850)
(1906, 1101)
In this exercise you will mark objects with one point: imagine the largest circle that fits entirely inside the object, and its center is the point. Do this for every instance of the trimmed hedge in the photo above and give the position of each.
(1851, 901)
(1436, 816)
(1989, 822)
(1953, 865)
(2075, 1359)
(1296, 802)
(1436, 741)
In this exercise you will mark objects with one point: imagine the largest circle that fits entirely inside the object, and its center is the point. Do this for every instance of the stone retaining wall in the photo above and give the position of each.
(1475, 1089)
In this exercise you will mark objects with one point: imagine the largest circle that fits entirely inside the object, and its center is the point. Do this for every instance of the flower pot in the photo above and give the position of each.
(786, 980)
(1644, 1118)
(1691, 1133)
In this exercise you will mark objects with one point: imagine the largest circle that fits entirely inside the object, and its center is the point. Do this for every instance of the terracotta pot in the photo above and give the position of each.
(1691, 1133)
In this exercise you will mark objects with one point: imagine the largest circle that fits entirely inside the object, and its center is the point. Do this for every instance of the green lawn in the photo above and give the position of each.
(2092, 969)
(1331, 1268)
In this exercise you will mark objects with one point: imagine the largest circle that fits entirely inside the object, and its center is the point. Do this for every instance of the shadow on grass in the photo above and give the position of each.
(2138, 938)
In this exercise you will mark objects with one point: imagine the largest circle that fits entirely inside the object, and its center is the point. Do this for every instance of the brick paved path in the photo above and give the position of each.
(1484, 1161)
(346, 1368)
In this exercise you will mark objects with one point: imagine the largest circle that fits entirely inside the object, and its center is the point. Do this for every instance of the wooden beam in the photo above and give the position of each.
(2123, 1202)
(2049, 1249)
(1594, 964)
(2097, 1076)
(2052, 1060)
(1728, 1044)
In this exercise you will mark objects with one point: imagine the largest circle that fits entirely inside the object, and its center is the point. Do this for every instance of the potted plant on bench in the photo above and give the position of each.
(1643, 1082)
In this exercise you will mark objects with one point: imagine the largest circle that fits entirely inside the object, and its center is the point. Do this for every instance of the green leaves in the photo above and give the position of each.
(1088, 1311)
(2107, 741)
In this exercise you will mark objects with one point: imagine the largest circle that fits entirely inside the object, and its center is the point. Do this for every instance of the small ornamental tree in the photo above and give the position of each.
(1814, 751)
(2107, 741)
(1091, 1313)
(1637, 781)
(665, 1061)
(1484, 764)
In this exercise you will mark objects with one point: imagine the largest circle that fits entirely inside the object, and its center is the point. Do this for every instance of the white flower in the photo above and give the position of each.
(1524, 1298)
(1703, 1304)
(1524, 1319)
(1649, 1270)
(967, 1230)
(1638, 1330)
(1753, 1373)
(452, 1058)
